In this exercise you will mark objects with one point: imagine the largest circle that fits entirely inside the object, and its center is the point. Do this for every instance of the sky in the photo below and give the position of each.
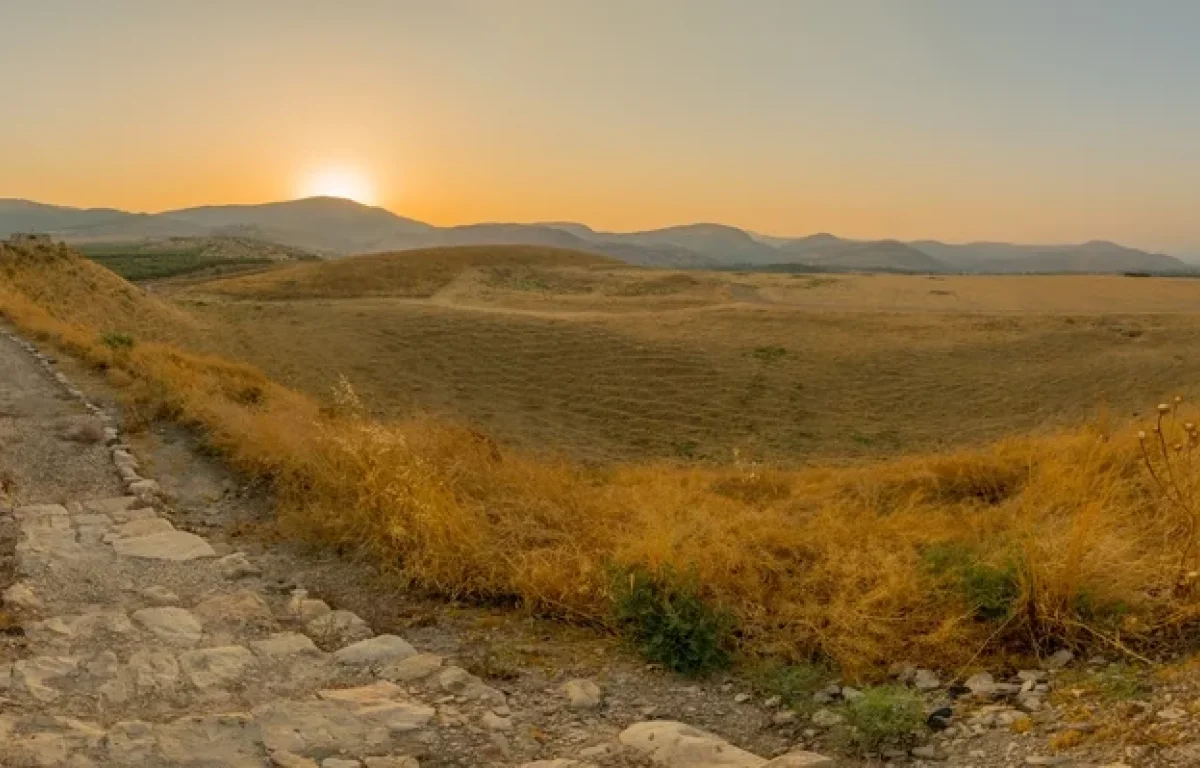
(1022, 120)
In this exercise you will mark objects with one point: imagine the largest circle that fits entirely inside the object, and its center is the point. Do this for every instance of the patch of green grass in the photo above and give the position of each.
(662, 286)
(991, 591)
(1096, 610)
(666, 619)
(118, 341)
(815, 282)
(1121, 682)
(1113, 683)
(134, 263)
(769, 354)
(794, 684)
(524, 278)
(686, 449)
(885, 716)
(492, 663)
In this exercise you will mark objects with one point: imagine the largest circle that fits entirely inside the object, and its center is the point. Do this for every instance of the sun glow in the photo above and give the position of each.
(349, 183)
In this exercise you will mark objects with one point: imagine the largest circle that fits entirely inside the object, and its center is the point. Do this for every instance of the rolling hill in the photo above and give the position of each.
(417, 273)
(335, 227)
(1006, 258)
(829, 252)
(155, 258)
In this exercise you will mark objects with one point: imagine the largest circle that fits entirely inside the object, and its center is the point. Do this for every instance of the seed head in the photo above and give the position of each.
(1141, 434)
(1163, 408)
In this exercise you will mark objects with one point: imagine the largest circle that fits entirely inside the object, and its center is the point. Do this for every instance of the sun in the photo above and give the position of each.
(348, 183)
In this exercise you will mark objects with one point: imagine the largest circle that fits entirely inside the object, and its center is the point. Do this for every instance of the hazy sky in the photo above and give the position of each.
(1029, 120)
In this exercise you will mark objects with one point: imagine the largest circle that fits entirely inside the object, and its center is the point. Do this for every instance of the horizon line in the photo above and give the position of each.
(552, 222)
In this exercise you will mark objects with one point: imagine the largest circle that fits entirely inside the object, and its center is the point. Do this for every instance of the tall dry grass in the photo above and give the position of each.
(1069, 531)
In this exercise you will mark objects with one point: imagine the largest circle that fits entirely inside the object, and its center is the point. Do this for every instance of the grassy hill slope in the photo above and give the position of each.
(1022, 546)
(77, 290)
(170, 257)
(414, 274)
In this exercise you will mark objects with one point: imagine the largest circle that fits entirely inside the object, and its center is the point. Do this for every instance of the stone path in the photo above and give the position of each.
(136, 645)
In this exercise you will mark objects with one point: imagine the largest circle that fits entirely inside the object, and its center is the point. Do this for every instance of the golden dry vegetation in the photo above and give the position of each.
(1061, 537)
(408, 273)
(608, 363)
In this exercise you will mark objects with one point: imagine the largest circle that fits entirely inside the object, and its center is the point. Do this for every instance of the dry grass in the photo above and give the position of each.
(829, 562)
(417, 273)
(599, 364)
(996, 294)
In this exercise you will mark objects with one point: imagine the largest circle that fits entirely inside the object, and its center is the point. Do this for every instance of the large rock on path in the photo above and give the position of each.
(678, 745)
(178, 546)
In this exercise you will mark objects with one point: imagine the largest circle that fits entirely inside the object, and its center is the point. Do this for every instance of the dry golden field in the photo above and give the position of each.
(549, 351)
(1020, 545)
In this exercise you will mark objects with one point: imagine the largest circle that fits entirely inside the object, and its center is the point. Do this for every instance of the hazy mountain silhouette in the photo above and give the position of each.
(829, 252)
(317, 223)
(336, 227)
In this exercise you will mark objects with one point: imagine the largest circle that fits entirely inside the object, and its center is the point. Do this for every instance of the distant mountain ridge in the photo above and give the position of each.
(336, 227)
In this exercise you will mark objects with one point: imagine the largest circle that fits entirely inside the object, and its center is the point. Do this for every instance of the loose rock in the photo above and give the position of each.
(238, 566)
(338, 628)
(382, 649)
(216, 667)
(22, 597)
(678, 745)
(582, 694)
(174, 545)
(172, 625)
(926, 680)
(413, 668)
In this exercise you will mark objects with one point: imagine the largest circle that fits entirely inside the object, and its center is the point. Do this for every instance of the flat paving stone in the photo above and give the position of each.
(178, 546)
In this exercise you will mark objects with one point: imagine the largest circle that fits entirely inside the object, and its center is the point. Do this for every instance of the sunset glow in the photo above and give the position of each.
(1026, 121)
(347, 183)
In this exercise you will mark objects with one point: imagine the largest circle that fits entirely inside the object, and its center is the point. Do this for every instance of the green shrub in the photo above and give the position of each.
(1096, 610)
(118, 341)
(494, 663)
(886, 716)
(769, 354)
(1122, 682)
(991, 591)
(794, 684)
(664, 616)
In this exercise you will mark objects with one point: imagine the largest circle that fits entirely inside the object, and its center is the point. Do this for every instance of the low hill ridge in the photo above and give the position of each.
(336, 227)
(416, 273)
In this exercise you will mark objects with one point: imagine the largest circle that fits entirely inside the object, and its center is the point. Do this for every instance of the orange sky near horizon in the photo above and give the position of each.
(863, 118)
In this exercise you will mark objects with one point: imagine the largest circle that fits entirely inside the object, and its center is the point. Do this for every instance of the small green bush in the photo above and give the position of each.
(794, 684)
(991, 591)
(769, 354)
(1122, 682)
(886, 716)
(118, 341)
(664, 616)
(494, 663)
(1098, 611)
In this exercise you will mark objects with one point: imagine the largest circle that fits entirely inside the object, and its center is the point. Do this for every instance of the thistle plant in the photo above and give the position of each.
(1171, 454)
